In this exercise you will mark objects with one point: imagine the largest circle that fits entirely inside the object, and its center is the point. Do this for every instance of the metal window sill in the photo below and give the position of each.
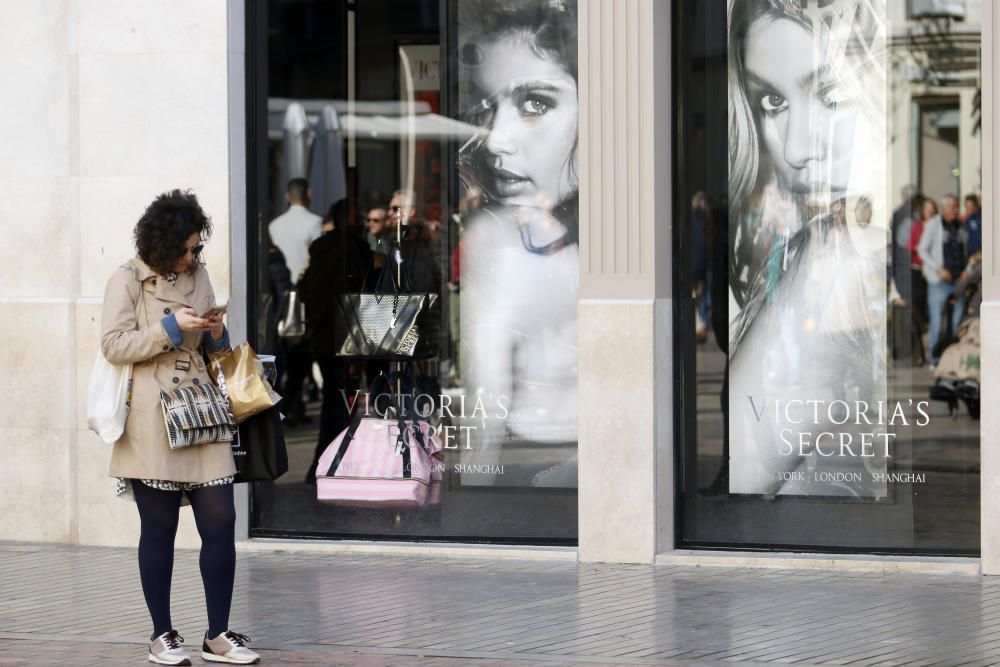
(820, 561)
(432, 549)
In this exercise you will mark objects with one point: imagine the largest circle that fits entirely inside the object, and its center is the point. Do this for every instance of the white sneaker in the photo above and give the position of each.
(167, 650)
(228, 647)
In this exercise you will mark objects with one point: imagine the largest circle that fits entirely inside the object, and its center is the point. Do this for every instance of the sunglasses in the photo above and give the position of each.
(194, 250)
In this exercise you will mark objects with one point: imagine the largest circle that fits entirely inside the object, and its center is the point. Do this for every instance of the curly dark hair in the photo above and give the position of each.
(164, 228)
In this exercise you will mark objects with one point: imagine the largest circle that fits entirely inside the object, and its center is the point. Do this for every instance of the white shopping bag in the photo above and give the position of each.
(108, 398)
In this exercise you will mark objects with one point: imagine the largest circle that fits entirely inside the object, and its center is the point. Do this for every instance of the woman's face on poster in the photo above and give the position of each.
(531, 111)
(807, 122)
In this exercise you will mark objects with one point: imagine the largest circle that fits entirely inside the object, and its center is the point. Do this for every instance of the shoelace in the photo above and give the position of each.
(173, 640)
(236, 638)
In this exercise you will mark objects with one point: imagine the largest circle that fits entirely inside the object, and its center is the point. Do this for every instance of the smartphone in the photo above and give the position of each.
(215, 311)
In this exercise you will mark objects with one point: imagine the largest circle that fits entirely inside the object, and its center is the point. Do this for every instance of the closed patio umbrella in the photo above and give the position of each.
(327, 174)
(295, 140)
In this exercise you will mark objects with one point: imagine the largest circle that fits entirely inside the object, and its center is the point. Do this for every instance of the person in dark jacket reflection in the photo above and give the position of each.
(338, 263)
(279, 286)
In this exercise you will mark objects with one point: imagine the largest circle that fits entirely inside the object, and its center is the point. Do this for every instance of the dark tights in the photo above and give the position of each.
(215, 516)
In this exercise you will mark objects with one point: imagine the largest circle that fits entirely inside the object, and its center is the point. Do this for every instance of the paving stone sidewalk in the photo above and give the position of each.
(78, 605)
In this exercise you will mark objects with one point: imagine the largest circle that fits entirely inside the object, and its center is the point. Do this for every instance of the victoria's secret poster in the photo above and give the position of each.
(519, 253)
(809, 409)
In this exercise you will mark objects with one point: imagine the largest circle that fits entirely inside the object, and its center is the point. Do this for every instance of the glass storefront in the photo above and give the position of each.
(827, 245)
(828, 187)
(437, 143)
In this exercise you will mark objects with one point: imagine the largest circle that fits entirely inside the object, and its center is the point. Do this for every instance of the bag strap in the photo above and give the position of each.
(352, 431)
(388, 271)
(344, 444)
(371, 265)
(403, 375)
(396, 285)
(407, 466)
(402, 428)
(408, 375)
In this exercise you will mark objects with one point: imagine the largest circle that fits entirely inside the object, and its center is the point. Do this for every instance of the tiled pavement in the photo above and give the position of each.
(65, 605)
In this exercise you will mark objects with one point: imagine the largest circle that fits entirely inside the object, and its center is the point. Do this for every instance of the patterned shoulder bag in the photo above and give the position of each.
(196, 415)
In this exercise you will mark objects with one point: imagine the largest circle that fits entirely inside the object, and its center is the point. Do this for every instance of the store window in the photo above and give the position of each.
(415, 181)
(828, 179)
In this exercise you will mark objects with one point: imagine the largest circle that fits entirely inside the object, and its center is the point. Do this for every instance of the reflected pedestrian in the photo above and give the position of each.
(944, 251)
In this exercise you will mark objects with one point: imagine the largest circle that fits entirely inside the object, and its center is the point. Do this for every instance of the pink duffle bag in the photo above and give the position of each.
(382, 463)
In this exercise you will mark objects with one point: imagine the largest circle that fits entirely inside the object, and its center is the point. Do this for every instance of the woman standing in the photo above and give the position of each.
(520, 256)
(920, 312)
(151, 320)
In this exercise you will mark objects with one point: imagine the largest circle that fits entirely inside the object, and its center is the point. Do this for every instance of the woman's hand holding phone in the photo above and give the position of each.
(215, 311)
(189, 320)
(213, 317)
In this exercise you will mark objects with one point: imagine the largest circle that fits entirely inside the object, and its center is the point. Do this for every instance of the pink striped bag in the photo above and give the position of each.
(382, 463)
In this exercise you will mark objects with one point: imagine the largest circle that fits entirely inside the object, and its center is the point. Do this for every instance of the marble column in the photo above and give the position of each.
(626, 417)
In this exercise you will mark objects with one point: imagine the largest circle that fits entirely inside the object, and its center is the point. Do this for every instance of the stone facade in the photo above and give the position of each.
(113, 101)
(109, 103)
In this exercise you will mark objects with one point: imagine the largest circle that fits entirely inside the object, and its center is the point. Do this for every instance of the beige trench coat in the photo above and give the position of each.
(135, 302)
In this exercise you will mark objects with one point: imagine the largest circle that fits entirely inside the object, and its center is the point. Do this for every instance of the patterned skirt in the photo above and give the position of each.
(124, 486)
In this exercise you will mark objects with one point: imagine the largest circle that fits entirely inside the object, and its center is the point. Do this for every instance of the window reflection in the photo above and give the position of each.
(432, 156)
(836, 401)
